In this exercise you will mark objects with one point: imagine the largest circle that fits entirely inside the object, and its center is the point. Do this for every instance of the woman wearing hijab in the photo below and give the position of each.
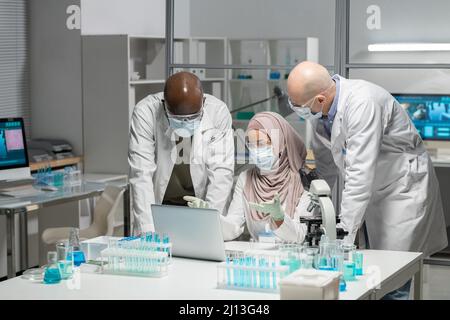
(270, 196)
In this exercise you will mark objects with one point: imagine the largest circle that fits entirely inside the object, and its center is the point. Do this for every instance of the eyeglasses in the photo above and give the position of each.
(187, 117)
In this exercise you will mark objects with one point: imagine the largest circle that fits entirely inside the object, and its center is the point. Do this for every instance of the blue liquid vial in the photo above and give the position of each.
(342, 285)
(358, 259)
(52, 274)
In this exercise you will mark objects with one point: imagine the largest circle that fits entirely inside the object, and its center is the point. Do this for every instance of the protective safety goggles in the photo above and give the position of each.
(186, 117)
(293, 105)
(262, 143)
(308, 104)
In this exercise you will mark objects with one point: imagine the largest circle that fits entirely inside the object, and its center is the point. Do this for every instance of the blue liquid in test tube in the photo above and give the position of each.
(255, 279)
(261, 274)
(228, 272)
(235, 272)
(274, 276)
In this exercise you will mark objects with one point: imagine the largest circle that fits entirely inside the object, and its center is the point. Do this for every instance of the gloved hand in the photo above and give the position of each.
(271, 207)
(194, 202)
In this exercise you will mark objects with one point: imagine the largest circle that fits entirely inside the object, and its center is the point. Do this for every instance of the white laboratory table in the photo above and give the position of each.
(196, 280)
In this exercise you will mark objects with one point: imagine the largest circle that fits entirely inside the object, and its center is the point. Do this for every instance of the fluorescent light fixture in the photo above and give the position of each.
(380, 47)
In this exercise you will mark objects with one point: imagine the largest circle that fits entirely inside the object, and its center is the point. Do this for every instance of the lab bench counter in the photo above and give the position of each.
(196, 280)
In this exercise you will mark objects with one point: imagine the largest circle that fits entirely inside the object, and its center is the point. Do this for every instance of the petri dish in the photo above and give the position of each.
(34, 275)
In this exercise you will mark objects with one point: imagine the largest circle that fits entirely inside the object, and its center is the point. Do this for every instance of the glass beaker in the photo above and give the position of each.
(52, 274)
(65, 259)
(349, 271)
(348, 249)
(358, 260)
(311, 257)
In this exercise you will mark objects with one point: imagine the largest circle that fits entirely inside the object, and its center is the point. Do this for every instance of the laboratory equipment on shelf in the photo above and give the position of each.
(148, 255)
(74, 243)
(251, 271)
(52, 274)
(69, 177)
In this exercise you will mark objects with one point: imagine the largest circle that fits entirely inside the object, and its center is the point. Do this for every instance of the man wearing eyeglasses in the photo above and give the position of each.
(363, 134)
(181, 150)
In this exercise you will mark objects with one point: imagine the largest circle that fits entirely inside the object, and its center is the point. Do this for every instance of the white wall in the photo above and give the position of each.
(267, 18)
(136, 17)
(402, 21)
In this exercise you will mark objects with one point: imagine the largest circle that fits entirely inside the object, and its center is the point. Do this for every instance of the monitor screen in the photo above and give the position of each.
(13, 150)
(429, 113)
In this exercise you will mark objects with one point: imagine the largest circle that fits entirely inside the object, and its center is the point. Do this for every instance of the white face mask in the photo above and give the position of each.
(262, 157)
(184, 129)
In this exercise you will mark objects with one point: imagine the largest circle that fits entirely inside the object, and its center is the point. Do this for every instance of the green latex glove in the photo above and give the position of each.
(271, 207)
(194, 202)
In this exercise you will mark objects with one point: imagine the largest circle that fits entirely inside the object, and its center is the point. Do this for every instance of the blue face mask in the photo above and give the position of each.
(262, 157)
(184, 128)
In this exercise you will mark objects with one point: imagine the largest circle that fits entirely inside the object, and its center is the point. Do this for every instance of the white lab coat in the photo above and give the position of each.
(389, 180)
(290, 230)
(152, 155)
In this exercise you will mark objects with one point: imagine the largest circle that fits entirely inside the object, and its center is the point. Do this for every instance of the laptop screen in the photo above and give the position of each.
(13, 149)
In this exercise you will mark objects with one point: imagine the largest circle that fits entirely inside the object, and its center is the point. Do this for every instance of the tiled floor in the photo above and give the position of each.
(436, 284)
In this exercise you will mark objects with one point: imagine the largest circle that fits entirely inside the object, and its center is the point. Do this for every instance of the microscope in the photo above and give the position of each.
(325, 223)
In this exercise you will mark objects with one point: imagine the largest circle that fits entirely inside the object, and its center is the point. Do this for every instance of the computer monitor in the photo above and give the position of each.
(430, 114)
(14, 163)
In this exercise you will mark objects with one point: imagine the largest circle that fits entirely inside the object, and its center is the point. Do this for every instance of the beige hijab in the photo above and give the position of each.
(285, 178)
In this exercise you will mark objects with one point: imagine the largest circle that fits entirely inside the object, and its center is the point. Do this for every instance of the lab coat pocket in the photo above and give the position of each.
(417, 169)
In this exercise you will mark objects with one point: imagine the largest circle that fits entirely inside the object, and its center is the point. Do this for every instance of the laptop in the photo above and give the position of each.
(195, 233)
(14, 164)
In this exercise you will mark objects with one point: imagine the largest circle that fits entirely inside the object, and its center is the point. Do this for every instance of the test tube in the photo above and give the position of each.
(241, 272)
(274, 276)
(228, 271)
(267, 275)
(262, 276)
(235, 271)
(255, 278)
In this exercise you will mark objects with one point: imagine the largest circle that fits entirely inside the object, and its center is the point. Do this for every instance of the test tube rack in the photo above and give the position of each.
(251, 272)
(137, 258)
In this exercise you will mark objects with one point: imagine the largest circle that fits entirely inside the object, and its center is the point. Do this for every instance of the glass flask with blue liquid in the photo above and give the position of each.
(52, 274)
(74, 244)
